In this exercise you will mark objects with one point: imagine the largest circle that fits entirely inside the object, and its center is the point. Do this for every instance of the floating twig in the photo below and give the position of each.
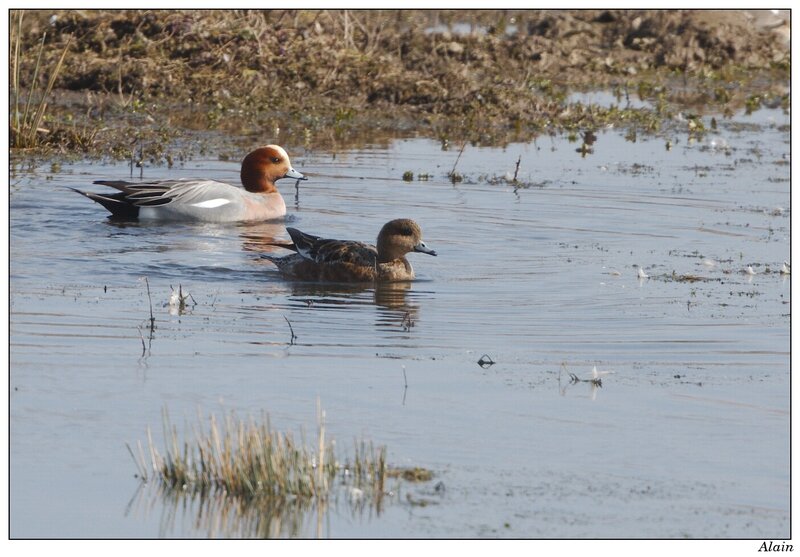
(486, 361)
(291, 330)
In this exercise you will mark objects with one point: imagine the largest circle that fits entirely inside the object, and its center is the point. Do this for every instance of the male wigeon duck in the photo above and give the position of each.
(319, 259)
(206, 200)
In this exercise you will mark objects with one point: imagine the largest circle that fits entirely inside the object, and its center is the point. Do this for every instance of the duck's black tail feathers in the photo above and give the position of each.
(277, 258)
(116, 204)
(284, 245)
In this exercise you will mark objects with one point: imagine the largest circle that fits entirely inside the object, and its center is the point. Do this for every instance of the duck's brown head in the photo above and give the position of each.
(398, 237)
(262, 167)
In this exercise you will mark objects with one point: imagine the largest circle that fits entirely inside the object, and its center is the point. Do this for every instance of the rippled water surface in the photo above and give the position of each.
(689, 437)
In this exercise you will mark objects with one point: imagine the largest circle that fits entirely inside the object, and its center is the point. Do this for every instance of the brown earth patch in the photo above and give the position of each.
(152, 79)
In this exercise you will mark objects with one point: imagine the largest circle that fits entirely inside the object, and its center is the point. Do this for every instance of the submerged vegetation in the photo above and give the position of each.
(327, 78)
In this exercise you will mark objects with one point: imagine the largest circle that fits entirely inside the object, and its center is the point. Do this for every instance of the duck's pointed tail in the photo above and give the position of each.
(116, 204)
(276, 258)
(285, 245)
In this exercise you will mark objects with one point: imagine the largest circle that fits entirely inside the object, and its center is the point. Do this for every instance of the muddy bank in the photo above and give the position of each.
(146, 82)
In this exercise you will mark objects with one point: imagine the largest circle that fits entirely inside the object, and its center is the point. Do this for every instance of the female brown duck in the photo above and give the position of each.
(319, 259)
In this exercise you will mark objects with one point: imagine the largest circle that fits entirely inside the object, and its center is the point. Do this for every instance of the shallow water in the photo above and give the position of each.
(689, 437)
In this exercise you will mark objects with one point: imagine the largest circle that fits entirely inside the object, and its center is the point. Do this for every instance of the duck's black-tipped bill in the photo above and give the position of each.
(422, 248)
(292, 173)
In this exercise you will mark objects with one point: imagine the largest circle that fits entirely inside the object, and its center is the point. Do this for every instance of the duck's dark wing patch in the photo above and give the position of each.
(340, 251)
(121, 185)
(143, 194)
(326, 251)
(155, 194)
(304, 243)
(147, 194)
(131, 188)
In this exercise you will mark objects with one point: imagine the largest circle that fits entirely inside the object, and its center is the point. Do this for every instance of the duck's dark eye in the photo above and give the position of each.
(276, 160)
(406, 231)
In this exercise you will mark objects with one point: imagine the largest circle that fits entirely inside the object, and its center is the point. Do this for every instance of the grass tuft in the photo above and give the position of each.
(26, 130)
(250, 459)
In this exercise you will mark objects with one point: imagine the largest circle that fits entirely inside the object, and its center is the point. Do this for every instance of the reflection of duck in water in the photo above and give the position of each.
(392, 295)
(320, 259)
(390, 298)
(261, 236)
(397, 310)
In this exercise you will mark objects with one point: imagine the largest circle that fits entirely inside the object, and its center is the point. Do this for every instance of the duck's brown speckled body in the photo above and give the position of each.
(320, 259)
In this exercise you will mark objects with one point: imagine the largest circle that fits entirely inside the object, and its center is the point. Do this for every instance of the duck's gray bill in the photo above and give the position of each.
(422, 248)
(294, 174)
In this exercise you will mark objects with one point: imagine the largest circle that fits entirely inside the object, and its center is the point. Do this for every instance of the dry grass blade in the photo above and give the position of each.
(139, 464)
(291, 331)
(15, 72)
(33, 88)
(453, 176)
(154, 458)
(321, 444)
(150, 299)
(516, 169)
(53, 77)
